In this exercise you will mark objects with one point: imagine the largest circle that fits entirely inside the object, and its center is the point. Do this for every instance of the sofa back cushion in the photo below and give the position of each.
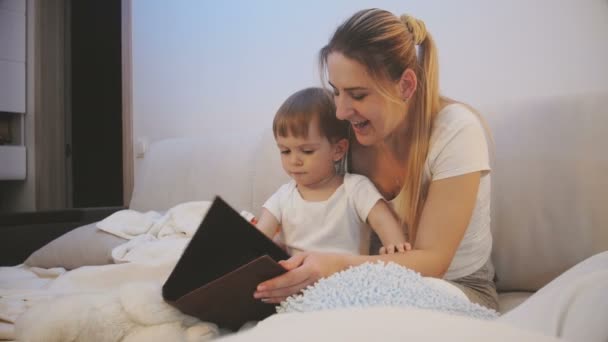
(268, 174)
(549, 186)
(179, 170)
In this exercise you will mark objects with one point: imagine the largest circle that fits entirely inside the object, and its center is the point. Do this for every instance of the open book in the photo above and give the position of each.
(218, 272)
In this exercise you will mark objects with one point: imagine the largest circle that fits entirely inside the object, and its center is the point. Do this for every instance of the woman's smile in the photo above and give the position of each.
(360, 127)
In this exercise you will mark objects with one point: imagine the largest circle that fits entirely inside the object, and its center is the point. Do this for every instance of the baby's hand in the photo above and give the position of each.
(398, 248)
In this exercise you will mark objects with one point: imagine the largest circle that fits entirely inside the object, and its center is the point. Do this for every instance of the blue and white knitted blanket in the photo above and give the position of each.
(380, 284)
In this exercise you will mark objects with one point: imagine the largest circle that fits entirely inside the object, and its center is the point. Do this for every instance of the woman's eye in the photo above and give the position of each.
(358, 97)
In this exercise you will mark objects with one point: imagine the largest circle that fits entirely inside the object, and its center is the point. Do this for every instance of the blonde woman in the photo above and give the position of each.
(426, 154)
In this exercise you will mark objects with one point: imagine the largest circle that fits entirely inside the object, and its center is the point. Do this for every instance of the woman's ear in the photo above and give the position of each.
(340, 149)
(407, 84)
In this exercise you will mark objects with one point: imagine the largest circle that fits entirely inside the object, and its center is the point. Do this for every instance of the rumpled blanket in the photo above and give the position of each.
(382, 284)
(181, 220)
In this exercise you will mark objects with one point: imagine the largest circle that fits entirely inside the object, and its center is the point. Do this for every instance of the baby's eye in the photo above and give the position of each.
(308, 151)
(284, 151)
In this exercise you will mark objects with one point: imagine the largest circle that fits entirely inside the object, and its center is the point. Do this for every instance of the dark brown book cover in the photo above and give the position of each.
(218, 272)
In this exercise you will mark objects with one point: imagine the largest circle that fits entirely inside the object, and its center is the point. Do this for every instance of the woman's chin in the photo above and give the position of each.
(366, 139)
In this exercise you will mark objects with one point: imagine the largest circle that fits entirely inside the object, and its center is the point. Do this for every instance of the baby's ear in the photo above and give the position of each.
(340, 148)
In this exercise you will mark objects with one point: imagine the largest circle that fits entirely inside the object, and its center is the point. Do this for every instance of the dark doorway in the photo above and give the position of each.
(94, 126)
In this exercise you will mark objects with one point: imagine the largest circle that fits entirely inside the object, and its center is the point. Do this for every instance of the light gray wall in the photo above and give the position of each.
(217, 69)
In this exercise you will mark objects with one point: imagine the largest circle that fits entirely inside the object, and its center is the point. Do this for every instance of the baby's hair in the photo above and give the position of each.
(303, 107)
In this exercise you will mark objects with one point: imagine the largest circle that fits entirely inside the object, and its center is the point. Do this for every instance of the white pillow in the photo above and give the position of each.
(573, 306)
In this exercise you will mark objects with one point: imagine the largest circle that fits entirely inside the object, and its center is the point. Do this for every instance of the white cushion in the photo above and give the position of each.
(573, 306)
(550, 186)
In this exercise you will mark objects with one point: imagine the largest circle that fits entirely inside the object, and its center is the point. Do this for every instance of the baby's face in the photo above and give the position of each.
(308, 160)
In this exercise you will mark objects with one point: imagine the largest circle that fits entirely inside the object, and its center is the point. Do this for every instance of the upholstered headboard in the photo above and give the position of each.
(550, 182)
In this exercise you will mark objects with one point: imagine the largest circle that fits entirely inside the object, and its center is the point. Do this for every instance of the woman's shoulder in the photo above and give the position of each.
(459, 141)
(456, 119)
(455, 115)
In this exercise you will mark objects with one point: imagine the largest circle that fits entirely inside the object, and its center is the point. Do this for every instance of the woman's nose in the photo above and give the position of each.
(343, 108)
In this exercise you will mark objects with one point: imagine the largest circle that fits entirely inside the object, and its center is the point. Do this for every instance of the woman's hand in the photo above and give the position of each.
(303, 269)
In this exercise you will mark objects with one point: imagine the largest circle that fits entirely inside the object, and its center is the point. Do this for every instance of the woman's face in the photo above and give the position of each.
(371, 115)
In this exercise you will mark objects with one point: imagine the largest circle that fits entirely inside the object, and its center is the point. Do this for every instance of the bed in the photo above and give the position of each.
(95, 274)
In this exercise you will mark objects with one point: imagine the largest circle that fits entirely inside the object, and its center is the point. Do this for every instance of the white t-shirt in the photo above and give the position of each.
(459, 146)
(336, 225)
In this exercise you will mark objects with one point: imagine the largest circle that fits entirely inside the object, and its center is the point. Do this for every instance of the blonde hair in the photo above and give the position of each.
(386, 46)
(301, 108)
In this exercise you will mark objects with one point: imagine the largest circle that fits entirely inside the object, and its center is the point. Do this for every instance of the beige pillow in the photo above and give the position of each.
(83, 246)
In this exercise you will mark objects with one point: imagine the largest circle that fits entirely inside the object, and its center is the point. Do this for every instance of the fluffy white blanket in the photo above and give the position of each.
(384, 284)
(75, 303)
(135, 312)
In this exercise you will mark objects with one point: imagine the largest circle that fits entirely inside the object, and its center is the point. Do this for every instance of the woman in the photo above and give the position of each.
(427, 154)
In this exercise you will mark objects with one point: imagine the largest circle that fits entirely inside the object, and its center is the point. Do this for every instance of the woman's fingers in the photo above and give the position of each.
(284, 285)
(288, 283)
(279, 295)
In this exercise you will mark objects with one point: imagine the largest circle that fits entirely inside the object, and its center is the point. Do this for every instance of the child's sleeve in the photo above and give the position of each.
(275, 203)
(363, 194)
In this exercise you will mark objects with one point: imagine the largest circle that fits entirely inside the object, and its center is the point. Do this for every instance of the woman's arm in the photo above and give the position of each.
(386, 225)
(445, 218)
(267, 223)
